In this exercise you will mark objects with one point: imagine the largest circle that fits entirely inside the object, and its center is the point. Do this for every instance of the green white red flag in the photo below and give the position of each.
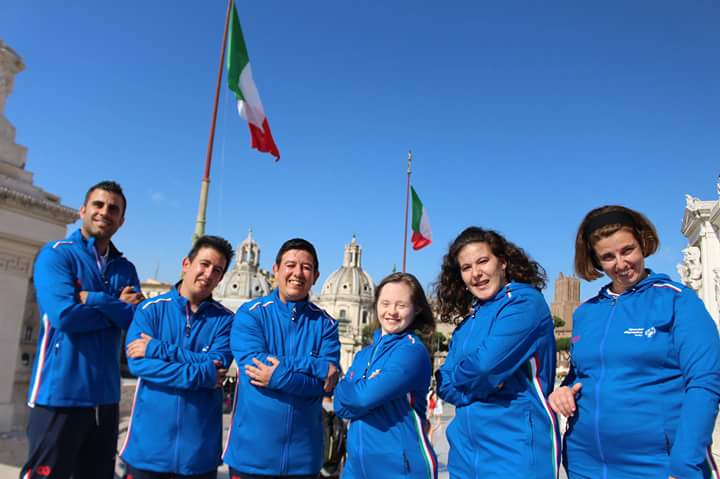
(241, 82)
(422, 235)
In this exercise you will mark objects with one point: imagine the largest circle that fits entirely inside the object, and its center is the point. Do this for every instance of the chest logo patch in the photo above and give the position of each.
(640, 332)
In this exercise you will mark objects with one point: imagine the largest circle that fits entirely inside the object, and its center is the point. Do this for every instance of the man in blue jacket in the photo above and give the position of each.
(179, 347)
(87, 292)
(287, 351)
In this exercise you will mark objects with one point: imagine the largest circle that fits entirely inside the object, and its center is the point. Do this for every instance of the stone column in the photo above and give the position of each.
(29, 217)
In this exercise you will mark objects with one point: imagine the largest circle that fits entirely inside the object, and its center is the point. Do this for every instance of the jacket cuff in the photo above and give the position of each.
(95, 297)
(152, 348)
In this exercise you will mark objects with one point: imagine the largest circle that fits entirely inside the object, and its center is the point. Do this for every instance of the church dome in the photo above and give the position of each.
(244, 280)
(350, 281)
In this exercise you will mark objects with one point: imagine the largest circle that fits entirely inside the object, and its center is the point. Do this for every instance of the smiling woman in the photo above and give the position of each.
(501, 363)
(384, 391)
(644, 383)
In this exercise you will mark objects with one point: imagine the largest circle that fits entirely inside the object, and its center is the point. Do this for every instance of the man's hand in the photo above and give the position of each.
(127, 295)
(136, 349)
(331, 380)
(261, 373)
(82, 295)
(221, 373)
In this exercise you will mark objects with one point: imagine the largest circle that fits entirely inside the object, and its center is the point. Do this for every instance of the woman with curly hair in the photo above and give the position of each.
(383, 392)
(644, 383)
(501, 364)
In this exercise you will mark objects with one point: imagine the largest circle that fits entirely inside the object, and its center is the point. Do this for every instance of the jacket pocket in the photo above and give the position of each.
(530, 438)
(406, 463)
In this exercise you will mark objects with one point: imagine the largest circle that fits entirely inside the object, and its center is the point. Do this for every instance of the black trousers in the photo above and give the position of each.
(135, 473)
(71, 441)
(241, 475)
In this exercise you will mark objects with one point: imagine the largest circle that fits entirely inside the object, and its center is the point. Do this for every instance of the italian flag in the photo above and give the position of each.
(422, 235)
(241, 82)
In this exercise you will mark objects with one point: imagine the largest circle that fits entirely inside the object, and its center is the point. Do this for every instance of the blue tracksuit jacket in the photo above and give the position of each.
(78, 351)
(498, 373)
(649, 364)
(277, 430)
(176, 423)
(387, 433)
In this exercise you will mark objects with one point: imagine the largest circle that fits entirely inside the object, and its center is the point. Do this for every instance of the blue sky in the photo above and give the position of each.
(521, 116)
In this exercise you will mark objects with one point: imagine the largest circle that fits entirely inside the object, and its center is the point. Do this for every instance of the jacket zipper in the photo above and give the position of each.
(597, 389)
(288, 424)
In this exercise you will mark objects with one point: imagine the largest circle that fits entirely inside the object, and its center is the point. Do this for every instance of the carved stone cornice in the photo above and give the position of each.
(14, 263)
(48, 210)
(696, 213)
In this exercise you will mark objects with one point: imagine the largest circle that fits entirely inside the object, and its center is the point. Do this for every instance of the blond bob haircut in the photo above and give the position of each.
(587, 265)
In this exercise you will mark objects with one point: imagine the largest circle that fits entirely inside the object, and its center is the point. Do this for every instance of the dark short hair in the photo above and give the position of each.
(587, 265)
(221, 245)
(301, 244)
(110, 187)
(423, 323)
(454, 299)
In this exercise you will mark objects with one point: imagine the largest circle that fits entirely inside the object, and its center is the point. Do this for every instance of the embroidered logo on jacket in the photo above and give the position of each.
(640, 332)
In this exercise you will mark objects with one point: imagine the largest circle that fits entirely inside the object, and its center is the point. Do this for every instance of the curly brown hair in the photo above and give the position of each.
(454, 299)
(423, 323)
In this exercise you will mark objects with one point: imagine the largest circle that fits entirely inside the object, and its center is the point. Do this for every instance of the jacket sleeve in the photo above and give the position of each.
(247, 341)
(219, 349)
(58, 295)
(287, 378)
(696, 339)
(172, 374)
(509, 344)
(402, 373)
(117, 311)
(353, 374)
(445, 387)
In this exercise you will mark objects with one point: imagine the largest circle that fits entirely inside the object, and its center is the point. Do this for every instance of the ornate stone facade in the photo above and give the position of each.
(700, 267)
(565, 302)
(348, 295)
(29, 217)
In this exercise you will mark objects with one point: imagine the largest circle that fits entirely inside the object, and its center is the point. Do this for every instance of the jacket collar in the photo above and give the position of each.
(504, 292)
(296, 306)
(89, 244)
(183, 302)
(392, 337)
(642, 285)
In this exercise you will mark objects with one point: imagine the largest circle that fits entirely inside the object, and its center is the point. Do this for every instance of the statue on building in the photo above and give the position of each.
(690, 270)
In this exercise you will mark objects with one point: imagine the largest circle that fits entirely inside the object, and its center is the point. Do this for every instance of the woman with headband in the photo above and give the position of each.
(642, 392)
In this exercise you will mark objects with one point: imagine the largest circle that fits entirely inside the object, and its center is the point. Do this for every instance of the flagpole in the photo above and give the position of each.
(205, 183)
(407, 205)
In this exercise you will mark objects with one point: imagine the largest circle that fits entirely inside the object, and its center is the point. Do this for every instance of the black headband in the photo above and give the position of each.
(609, 218)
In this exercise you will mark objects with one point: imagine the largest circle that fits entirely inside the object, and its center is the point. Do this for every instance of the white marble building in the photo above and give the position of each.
(347, 295)
(700, 268)
(29, 217)
(244, 280)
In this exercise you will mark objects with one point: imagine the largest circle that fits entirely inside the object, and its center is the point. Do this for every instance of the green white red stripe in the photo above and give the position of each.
(422, 235)
(240, 81)
(430, 461)
(534, 371)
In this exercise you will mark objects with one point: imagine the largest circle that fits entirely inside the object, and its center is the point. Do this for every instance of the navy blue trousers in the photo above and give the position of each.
(71, 441)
